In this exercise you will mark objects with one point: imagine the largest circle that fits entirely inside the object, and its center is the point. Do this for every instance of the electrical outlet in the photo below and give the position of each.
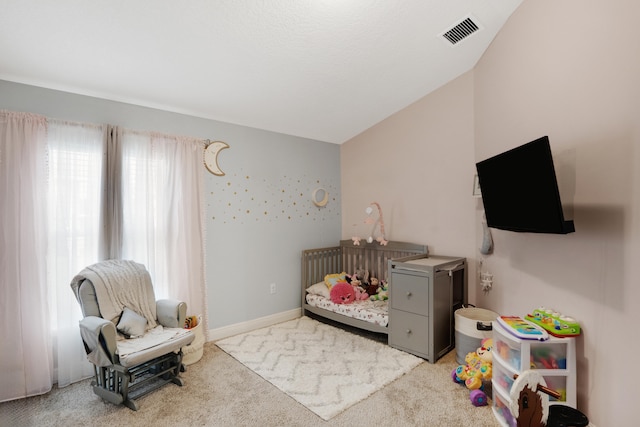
(272, 288)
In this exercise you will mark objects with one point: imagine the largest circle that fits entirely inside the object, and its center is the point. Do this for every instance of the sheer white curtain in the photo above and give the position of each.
(72, 194)
(162, 203)
(75, 204)
(26, 366)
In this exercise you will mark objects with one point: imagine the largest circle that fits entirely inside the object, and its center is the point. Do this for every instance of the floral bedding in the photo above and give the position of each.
(376, 312)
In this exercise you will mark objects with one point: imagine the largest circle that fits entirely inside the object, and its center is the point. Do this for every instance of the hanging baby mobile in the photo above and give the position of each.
(376, 222)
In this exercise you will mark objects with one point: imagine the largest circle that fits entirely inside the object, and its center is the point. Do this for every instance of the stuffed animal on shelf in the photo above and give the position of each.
(477, 371)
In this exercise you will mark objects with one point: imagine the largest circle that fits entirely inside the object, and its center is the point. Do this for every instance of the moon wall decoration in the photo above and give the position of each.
(211, 152)
(325, 197)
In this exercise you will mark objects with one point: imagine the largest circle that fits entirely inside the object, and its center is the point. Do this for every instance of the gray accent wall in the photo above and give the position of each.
(259, 215)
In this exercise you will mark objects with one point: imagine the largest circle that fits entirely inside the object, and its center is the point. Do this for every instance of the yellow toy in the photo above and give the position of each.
(477, 370)
(190, 322)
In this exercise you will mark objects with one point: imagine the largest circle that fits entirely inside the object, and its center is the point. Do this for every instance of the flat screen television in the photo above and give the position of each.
(520, 191)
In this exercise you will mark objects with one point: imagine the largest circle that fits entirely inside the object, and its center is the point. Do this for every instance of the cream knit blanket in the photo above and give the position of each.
(120, 284)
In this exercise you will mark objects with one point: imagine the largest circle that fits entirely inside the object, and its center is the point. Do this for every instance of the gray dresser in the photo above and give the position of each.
(424, 293)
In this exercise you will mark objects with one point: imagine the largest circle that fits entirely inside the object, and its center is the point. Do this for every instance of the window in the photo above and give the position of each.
(96, 192)
(74, 202)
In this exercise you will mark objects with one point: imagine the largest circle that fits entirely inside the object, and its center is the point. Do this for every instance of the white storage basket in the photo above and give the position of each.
(472, 326)
(193, 352)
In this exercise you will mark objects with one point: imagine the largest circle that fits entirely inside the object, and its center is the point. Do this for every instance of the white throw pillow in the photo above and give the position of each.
(131, 324)
(319, 289)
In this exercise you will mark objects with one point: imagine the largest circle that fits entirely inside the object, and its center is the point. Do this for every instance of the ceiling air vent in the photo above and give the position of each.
(461, 31)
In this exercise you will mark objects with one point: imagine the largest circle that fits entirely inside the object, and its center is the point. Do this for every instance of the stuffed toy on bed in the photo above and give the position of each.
(345, 293)
(374, 285)
(359, 278)
(382, 294)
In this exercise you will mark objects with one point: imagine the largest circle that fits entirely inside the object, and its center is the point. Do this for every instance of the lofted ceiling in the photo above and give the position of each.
(319, 69)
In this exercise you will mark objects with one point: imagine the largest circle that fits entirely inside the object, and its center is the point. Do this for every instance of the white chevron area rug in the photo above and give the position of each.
(324, 368)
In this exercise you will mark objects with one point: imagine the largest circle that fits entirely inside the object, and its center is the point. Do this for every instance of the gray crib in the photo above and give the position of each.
(347, 257)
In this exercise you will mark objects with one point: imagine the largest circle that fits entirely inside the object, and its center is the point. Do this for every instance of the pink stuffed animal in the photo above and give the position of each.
(361, 294)
(342, 293)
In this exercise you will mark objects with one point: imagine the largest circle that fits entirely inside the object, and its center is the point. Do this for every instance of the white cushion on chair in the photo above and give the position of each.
(154, 343)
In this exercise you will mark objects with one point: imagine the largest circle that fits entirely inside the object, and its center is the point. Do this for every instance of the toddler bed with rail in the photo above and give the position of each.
(317, 264)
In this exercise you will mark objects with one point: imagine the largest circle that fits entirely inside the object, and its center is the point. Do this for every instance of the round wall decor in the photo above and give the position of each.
(320, 197)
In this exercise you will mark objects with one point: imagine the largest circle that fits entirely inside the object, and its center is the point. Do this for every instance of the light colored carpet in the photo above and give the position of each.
(220, 391)
(324, 368)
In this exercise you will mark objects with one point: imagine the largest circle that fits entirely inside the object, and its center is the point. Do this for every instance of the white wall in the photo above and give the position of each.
(418, 164)
(568, 69)
(259, 215)
(571, 70)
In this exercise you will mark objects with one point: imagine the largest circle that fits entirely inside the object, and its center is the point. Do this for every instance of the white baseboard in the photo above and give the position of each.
(251, 325)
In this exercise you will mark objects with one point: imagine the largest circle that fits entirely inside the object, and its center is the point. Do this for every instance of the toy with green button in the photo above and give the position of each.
(554, 323)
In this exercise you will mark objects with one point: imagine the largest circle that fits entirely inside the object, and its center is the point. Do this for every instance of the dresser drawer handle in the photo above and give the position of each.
(408, 331)
(408, 294)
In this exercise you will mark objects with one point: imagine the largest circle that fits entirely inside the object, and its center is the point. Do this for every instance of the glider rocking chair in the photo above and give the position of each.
(134, 342)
